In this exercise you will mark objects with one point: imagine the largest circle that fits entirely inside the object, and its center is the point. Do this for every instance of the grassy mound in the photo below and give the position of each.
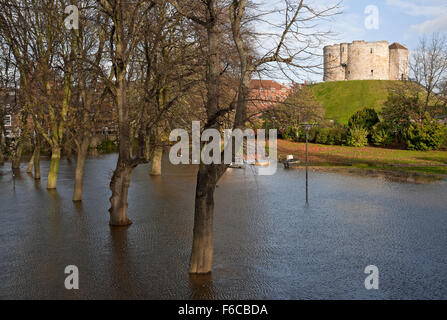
(342, 99)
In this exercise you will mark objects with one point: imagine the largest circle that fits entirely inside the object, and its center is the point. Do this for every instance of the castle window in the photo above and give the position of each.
(372, 73)
(371, 50)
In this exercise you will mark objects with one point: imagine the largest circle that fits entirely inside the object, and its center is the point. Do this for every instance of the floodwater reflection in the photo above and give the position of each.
(202, 287)
(120, 262)
(268, 244)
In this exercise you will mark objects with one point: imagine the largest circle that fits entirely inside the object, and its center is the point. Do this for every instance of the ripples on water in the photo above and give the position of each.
(267, 243)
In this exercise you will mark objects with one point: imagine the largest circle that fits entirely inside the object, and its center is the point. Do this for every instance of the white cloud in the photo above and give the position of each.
(433, 25)
(433, 10)
(347, 28)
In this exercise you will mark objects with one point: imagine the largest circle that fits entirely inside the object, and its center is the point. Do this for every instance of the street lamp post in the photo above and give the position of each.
(307, 127)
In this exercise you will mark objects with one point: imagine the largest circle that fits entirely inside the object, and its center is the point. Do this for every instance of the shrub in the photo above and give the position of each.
(365, 118)
(301, 135)
(381, 135)
(322, 136)
(444, 136)
(424, 137)
(313, 132)
(331, 135)
(108, 146)
(357, 137)
(337, 136)
(290, 134)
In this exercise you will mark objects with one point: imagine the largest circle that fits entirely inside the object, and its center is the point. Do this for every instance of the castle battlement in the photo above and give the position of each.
(361, 60)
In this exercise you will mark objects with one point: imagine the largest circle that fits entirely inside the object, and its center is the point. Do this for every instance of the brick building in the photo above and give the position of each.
(265, 94)
(8, 114)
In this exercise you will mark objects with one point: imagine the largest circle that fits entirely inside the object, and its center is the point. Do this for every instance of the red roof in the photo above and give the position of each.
(396, 45)
(265, 84)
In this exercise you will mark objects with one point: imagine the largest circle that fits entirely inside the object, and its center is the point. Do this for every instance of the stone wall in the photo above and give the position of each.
(368, 61)
(362, 60)
(333, 70)
(399, 64)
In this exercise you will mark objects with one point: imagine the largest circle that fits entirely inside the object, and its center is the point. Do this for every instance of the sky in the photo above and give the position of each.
(403, 21)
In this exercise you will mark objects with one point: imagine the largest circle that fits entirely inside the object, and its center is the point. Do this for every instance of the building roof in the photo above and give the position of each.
(396, 45)
(264, 84)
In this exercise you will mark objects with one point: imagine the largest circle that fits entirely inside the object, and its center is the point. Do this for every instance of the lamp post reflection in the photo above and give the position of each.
(307, 128)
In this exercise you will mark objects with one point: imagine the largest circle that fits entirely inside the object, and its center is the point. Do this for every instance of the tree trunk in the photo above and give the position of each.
(2, 157)
(201, 261)
(2, 149)
(202, 249)
(17, 156)
(37, 161)
(54, 167)
(156, 161)
(30, 164)
(82, 151)
(68, 152)
(119, 185)
(147, 148)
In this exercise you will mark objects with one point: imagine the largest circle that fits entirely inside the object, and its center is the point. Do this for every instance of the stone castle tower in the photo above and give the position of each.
(362, 60)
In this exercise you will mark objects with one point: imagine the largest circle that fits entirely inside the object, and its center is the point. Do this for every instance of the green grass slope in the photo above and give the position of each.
(342, 99)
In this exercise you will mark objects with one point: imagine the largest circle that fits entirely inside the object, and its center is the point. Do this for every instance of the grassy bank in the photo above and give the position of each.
(399, 163)
(341, 99)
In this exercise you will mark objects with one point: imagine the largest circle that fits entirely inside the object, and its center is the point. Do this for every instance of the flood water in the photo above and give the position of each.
(268, 244)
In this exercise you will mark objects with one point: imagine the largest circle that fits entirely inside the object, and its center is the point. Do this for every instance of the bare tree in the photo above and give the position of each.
(90, 41)
(300, 107)
(429, 66)
(209, 16)
(7, 85)
(126, 23)
(44, 55)
(168, 75)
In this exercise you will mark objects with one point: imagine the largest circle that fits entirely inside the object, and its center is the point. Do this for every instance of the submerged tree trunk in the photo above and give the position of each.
(82, 150)
(2, 149)
(17, 156)
(157, 161)
(37, 161)
(68, 152)
(30, 164)
(54, 167)
(119, 185)
(201, 260)
(208, 176)
(2, 156)
(203, 243)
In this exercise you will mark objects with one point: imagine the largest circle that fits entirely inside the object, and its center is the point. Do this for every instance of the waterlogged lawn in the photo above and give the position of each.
(431, 162)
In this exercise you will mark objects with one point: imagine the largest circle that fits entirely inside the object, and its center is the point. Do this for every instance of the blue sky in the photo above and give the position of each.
(402, 21)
